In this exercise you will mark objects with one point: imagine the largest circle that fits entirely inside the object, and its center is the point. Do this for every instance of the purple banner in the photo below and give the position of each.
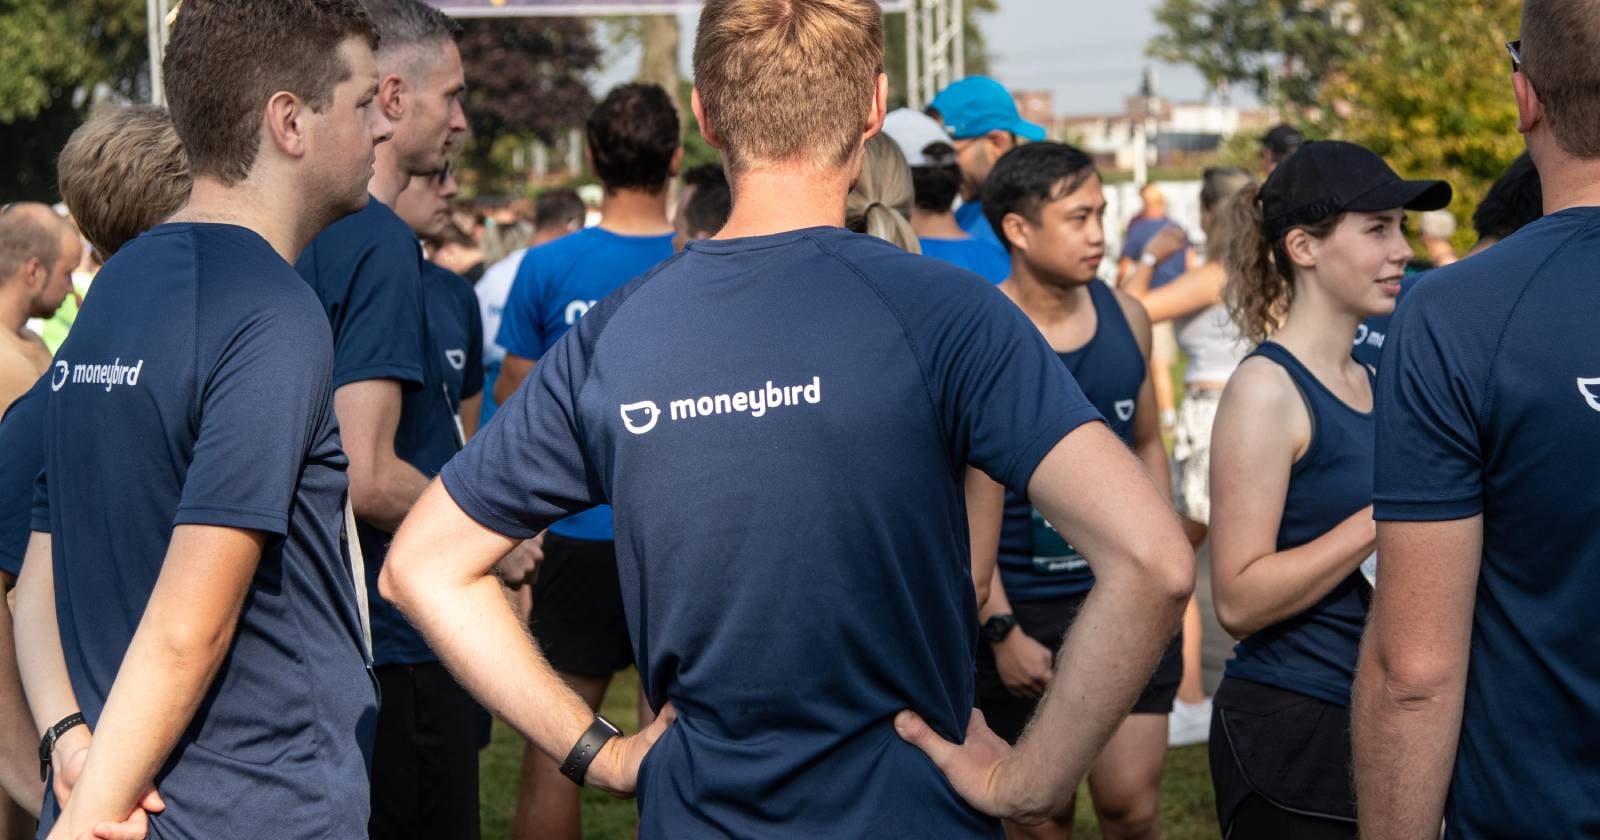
(585, 8)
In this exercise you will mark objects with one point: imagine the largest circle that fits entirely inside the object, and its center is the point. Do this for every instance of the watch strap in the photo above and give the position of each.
(576, 765)
(47, 744)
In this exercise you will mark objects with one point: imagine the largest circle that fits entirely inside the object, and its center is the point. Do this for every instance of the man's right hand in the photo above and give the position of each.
(1025, 666)
(615, 769)
(521, 565)
(973, 766)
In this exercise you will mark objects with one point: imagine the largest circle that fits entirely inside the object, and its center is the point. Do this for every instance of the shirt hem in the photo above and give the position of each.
(474, 506)
(233, 517)
(1425, 510)
(400, 373)
(1027, 461)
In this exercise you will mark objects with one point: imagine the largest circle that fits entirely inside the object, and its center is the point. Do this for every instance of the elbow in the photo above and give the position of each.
(1412, 682)
(395, 579)
(1238, 623)
(1166, 563)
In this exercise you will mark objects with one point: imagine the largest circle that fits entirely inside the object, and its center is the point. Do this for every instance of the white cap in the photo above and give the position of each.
(914, 132)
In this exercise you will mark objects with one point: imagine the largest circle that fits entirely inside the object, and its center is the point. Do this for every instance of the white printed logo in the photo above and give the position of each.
(1124, 410)
(456, 358)
(576, 310)
(652, 414)
(1361, 335)
(62, 369)
(1587, 387)
(110, 375)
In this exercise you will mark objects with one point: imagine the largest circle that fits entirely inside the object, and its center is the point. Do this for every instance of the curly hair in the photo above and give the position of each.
(1260, 274)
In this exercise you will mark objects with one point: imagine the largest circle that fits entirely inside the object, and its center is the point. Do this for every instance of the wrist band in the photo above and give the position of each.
(47, 745)
(576, 767)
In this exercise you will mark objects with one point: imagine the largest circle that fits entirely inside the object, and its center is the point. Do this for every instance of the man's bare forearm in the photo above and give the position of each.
(1405, 745)
(40, 662)
(384, 500)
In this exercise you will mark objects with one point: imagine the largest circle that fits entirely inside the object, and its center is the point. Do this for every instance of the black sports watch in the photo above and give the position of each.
(47, 744)
(576, 767)
(998, 627)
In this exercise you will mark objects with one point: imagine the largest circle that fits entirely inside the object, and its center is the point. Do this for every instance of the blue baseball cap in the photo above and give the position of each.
(977, 105)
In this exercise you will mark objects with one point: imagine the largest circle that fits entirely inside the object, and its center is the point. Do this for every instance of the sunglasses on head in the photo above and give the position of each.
(1515, 48)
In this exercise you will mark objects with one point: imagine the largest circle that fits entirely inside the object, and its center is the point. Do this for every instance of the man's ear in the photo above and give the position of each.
(880, 106)
(285, 123)
(707, 130)
(1016, 230)
(35, 275)
(1530, 111)
(393, 96)
(676, 164)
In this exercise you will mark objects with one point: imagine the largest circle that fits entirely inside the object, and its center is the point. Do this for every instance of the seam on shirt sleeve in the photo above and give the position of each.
(1028, 458)
(233, 516)
(1426, 510)
(473, 505)
(405, 374)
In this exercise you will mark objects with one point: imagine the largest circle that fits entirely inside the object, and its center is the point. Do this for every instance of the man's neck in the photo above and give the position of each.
(247, 205)
(933, 225)
(389, 178)
(1044, 302)
(1576, 184)
(780, 199)
(13, 307)
(635, 212)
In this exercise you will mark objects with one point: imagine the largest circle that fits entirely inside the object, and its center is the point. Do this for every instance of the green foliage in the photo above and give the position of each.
(1282, 50)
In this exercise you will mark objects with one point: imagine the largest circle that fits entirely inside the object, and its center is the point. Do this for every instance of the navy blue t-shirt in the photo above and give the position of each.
(1489, 403)
(195, 390)
(971, 219)
(367, 270)
(457, 328)
(1314, 653)
(1139, 235)
(982, 258)
(21, 460)
(1036, 563)
(558, 282)
(791, 538)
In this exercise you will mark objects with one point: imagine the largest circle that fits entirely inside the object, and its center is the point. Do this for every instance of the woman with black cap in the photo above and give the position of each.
(1319, 248)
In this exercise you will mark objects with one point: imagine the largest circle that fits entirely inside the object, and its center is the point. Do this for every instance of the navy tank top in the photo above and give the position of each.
(1314, 653)
(1036, 563)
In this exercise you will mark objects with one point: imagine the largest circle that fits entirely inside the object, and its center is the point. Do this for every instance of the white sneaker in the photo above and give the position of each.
(1189, 723)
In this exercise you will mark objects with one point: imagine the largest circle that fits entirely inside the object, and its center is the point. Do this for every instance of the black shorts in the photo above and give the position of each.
(1047, 622)
(577, 617)
(425, 756)
(1280, 758)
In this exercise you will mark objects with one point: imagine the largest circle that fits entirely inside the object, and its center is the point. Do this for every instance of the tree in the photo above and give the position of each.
(525, 82)
(1283, 50)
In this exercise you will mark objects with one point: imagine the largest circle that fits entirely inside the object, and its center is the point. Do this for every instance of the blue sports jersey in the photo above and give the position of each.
(21, 459)
(971, 219)
(792, 548)
(367, 271)
(1314, 653)
(227, 421)
(985, 259)
(558, 282)
(1489, 404)
(1036, 563)
(457, 329)
(1139, 235)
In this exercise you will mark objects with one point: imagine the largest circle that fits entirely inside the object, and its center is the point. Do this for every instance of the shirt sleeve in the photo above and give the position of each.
(521, 322)
(21, 462)
(1004, 396)
(472, 377)
(263, 402)
(379, 333)
(1431, 381)
(528, 468)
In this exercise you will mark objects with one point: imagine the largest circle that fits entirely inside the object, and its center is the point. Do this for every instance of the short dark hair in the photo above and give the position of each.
(632, 136)
(1516, 200)
(936, 187)
(558, 208)
(1029, 177)
(406, 23)
(227, 57)
(1560, 39)
(708, 207)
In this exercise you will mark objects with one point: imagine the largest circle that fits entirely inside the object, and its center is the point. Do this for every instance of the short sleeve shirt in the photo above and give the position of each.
(21, 460)
(196, 389)
(556, 284)
(978, 256)
(367, 271)
(791, 532)
(1489, 403)
(454, 321)
(1139, 235)
(972, 220)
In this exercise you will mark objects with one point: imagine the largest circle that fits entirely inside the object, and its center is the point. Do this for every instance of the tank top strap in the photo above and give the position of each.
(1109, 315)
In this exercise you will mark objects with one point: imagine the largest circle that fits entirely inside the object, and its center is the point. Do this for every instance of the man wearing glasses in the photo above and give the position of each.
(1479, 681)
(979, 113)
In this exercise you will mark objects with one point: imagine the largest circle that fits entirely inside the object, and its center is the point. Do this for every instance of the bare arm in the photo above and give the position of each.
(1144, 573)
(1410, 685)
(1147, 445)
(19, 766)
(471, 414)
(1194, 291)
(986, 509)
(1261, 428)
(513, 370)
(438, 573)
(42, 665)
(382, 485)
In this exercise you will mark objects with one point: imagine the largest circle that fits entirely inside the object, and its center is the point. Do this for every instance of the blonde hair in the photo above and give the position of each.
(785, 81)
(881, 199)
(1260, 275)
(123, 172)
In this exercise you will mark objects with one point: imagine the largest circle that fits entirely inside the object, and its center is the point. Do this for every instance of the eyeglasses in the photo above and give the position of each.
(444, 174)
(1515, 48)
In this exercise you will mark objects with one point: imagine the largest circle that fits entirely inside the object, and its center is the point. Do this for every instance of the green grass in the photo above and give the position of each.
(1186, 803)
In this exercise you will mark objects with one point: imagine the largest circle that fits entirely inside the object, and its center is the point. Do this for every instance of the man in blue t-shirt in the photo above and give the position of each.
(396, 420)
(1479, 681)
(577, 604)
(935, 180)
(181, 629)
(980, 115)
(783, 416)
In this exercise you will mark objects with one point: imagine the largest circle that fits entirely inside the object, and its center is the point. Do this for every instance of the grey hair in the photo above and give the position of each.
(403, 24)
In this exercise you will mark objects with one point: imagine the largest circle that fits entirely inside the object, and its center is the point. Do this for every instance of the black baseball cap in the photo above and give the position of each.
(1283, 139)
(1329, 177)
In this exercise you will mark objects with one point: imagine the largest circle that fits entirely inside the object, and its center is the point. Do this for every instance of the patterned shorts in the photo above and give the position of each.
(1191, 453)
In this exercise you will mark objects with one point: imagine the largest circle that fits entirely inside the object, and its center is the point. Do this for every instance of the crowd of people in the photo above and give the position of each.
(851, 445)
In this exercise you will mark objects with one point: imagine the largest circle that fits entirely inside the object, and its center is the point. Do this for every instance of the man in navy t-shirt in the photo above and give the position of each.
(396, 420)
(203, 627)
(979, 113)
(1480, 640)
(783, 416)
(577, 605)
